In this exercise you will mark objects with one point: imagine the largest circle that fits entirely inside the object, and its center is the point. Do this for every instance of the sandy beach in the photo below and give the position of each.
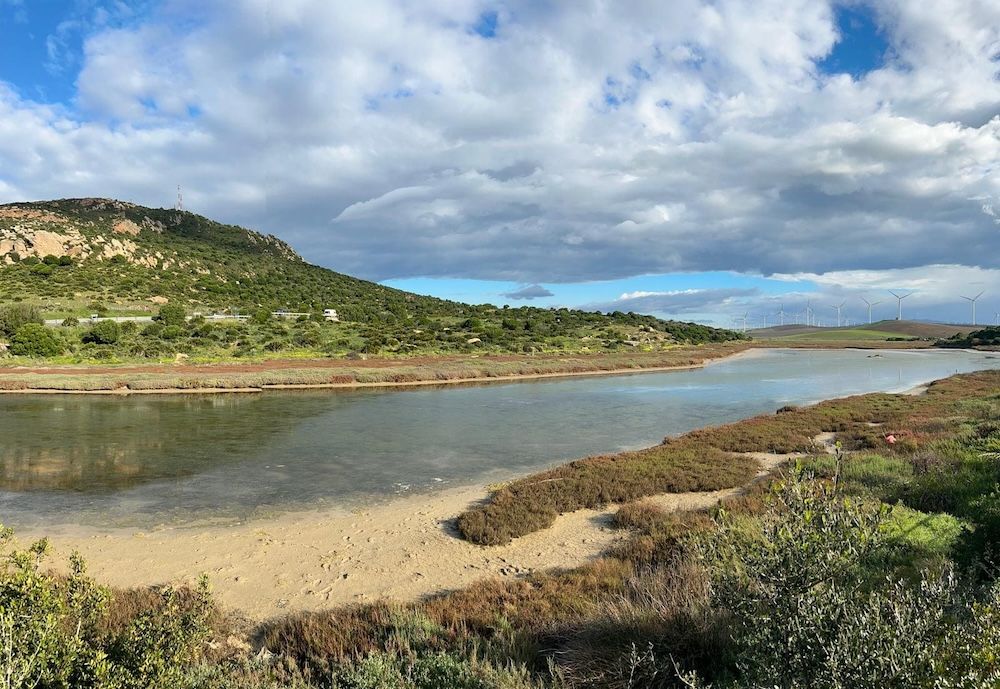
(402, 550)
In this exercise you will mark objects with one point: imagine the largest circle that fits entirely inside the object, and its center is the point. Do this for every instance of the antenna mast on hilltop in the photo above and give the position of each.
(179, 206)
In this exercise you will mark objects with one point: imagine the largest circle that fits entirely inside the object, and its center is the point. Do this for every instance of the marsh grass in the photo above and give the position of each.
(706, 459)
(534, 502)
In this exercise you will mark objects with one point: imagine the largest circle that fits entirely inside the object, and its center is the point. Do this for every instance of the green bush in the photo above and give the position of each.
(154, 329)
(70, 322)
(807, 605)
(171, 314)
(54, 630)
(103, 332)
(438, 671)
(13, 316)
(172, 332)
(36, 340)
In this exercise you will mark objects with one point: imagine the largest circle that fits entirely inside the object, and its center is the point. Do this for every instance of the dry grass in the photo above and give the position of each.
(661, 613)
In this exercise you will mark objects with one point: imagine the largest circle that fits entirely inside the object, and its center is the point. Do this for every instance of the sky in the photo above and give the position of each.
(693, 159)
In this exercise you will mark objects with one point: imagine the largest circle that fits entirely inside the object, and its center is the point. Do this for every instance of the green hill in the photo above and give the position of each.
(132, 256)
(74, 257)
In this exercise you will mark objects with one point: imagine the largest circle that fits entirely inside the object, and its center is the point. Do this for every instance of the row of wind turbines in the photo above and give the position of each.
(808, 317)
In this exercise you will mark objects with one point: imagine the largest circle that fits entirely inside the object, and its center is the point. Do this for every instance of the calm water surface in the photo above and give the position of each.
(145, 460)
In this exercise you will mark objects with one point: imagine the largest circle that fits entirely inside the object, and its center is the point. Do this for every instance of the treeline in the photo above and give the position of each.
(987, 337)
(262, 334)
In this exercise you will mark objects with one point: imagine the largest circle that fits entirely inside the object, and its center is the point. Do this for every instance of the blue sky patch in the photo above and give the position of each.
(486, 26)
(862, 46)
(41, 43)
(605, 292)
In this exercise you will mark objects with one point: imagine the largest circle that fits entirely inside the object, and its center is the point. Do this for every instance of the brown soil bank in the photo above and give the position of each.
(319, 373)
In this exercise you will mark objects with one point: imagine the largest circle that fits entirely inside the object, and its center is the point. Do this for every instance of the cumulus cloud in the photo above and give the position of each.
(528, 292)
(576, 141)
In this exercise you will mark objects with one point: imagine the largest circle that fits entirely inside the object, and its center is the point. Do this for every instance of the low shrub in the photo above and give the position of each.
(54, 631)
(14, 316)
(103, 333)
(814, 559)
(171, 315)
(37, 341)
(534, 502)
(438, 671)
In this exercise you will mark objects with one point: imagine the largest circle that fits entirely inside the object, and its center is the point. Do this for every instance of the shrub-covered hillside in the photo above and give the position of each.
(987, 337)
(76, 257)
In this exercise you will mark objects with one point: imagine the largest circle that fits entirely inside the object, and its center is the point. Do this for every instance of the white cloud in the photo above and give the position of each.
(585, 141)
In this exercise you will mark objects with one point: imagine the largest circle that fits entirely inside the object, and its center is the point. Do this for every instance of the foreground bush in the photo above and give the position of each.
(809, 605)
(55, 630)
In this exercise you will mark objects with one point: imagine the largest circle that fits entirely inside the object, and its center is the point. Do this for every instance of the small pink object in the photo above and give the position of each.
(890, 439)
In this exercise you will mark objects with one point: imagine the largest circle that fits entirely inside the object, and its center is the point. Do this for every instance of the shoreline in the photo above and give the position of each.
(125, 391)
(404, 549)
(211, 371)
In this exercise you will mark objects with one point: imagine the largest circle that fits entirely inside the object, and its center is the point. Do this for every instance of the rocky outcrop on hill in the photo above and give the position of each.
(102, 229)
(27, 232)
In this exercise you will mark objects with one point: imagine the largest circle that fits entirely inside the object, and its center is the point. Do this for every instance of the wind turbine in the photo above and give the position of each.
(781, 314)
(745, 316)
(870, 305)
(972, 300)
(899, 303)
(809, 313)
(838, 307)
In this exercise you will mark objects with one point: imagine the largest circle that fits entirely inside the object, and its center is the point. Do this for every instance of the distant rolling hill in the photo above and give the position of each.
(882, 330)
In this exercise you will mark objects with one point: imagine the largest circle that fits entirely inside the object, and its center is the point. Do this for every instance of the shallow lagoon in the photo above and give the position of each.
(145, 460)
